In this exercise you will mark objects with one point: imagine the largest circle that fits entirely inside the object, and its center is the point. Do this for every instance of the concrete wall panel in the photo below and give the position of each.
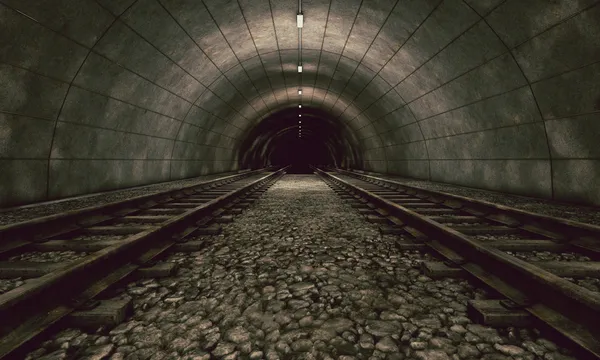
(86, 175)
(525, 177)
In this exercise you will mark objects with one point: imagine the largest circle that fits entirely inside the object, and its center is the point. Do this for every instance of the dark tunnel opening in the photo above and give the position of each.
(299, 152)
(286, 138)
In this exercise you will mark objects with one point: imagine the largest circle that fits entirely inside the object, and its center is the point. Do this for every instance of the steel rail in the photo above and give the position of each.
(16, 235)
(571, 310)
(575, 229)
(41, 302)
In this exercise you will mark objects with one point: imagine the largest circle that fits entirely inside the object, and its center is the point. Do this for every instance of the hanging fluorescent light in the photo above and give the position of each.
(299, 91)
(299, 68)
(300, 106)
(300, 20)
(299, 115)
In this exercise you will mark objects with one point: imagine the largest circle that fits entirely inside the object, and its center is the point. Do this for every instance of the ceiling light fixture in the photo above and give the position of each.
(299, 91)
(299, 68)
(300, 20)
(300, 106)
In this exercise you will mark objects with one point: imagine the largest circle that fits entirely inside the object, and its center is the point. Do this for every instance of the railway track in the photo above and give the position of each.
(491, 243)
(107, 245)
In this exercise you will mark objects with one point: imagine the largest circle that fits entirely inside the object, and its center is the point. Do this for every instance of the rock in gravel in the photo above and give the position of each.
(301, 345)
(489, 335)
(302, 286)
(387, 345)
(223, 348)
(510, 350)
(418, 345)
(467, 350)
(367, 342)
(431, 355)
(534, 348)
(338, 325)
(382, 328)
(237, 335)
(98, 352)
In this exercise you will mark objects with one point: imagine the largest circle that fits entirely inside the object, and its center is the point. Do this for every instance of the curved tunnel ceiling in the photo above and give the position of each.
(498, 94)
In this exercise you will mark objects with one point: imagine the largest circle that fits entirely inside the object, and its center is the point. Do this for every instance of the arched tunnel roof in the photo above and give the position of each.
(498, 94)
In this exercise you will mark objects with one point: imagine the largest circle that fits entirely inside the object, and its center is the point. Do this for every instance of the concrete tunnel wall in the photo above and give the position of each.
(104, 94)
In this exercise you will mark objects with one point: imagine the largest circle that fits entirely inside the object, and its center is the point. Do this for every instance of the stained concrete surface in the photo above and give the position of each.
(104, 94)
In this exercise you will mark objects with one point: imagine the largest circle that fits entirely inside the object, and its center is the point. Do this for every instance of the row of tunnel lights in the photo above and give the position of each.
(300, 24)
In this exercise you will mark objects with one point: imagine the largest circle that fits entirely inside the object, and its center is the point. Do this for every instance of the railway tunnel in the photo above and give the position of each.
(101, 95)
(370, 108)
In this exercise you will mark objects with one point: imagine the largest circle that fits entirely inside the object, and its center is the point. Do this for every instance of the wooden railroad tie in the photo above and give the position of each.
(179, 205)
(27, 269)
(116, 230)
(457, 219)
(391, 230)
(190, 246)
(376, 219)
(366, 211)
(223, 219)
(416, 205)
(163, 211)
(106, 313)
(437, 270)
(494, 313)
(74, 245)
(485, 230)
(435, 211)
(193, 200)
(144, 219)
(404, 245)
(212, 229)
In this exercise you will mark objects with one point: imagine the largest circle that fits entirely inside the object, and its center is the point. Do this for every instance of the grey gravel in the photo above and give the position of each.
(85, 237)
(500, 237)
(300, 275)
(534, 256)
(50, 256)
(27, 212)
(7, 285)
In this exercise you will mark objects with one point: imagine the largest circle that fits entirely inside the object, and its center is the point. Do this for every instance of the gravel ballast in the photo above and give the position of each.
(300, 275)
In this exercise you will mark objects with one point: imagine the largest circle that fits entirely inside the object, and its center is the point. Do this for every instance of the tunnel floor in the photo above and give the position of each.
(300, 275)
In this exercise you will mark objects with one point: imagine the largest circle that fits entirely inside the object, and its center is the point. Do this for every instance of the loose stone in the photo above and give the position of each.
(386, 345)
